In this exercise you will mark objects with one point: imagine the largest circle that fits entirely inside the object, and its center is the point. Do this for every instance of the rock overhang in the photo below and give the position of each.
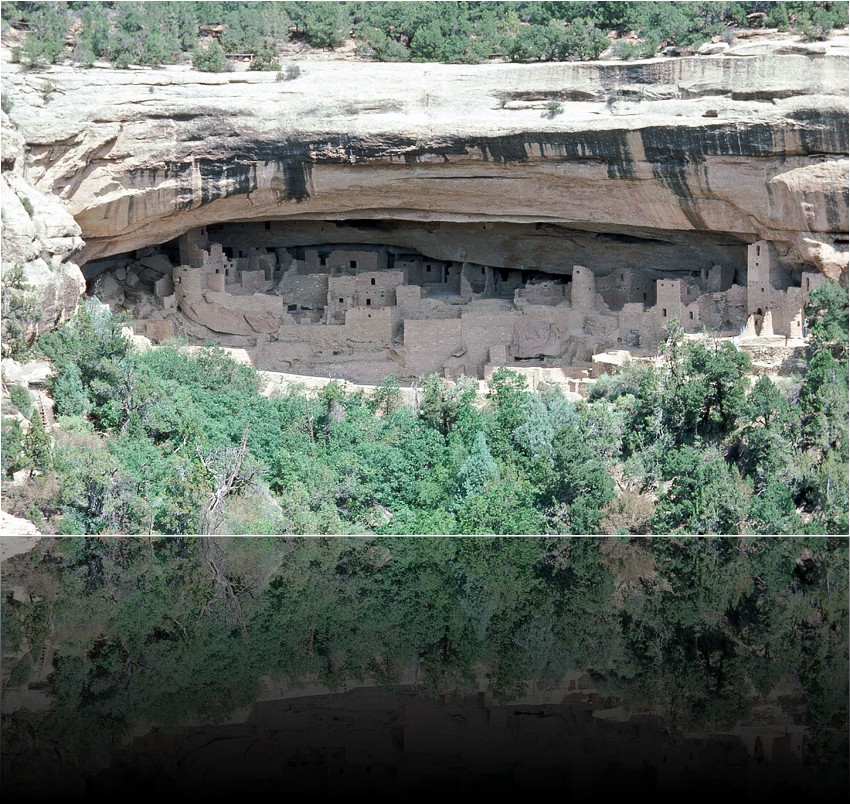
(735, 148)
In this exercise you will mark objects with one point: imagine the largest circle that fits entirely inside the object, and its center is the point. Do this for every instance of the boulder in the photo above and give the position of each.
(157, 262)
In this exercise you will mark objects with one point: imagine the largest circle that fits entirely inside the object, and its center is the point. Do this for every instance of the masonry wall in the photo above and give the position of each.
(669, 303)
(341, 295)
(583, 288)
(191, 244)
(372, 326)
(310, 290)
(537, 293)
(430, 343)
(480, 329)
(349, 261)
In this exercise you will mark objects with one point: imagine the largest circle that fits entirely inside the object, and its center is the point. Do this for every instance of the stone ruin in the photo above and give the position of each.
(362, 312)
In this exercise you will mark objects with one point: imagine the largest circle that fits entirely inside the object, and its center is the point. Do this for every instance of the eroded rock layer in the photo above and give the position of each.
(736, 146)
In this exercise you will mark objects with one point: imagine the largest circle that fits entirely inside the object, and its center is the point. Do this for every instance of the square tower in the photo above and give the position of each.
(759, 270)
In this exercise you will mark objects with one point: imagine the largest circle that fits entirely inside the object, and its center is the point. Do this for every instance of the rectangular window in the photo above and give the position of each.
(323, 261)
(691, 316)
(758, 250)
(372, 281)
(353, 263)
(428, 268)
(341, 301)
(268, 226)
(368, 302)
(664, 312)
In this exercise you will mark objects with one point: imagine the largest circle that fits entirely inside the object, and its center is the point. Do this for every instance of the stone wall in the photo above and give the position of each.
(429, 343)
(309, 290)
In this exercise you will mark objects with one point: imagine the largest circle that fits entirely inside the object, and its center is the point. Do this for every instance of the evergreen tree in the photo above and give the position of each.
(37, 449)
(478, 469)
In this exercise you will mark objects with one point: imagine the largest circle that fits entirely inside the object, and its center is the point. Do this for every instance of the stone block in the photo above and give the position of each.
(263, 322)
(163, 287)
(215, 282)
(157, 262)
(148, 276)
(107, 289)
(159, 331)
(499, 354)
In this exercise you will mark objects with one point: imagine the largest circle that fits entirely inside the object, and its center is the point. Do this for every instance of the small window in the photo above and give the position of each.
(483, 270)
(369, 303)
(428, 268)
(644, 296)
(664, 312)
(372, 282)
(758, 251)
(762, 290)
(368, 315)
(268, 226)
(691, 316)
(341, 301)
(352, 263)
(808, 283)
(622, 277)
(323, 260)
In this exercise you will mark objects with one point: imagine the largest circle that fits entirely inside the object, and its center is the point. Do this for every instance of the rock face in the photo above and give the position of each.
(40, 235)
(704, 150)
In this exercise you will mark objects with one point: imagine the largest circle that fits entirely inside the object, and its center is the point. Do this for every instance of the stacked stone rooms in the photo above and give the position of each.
(364, 311)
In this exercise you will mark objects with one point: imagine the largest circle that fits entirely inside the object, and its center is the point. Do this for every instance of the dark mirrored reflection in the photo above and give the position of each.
(665, 666)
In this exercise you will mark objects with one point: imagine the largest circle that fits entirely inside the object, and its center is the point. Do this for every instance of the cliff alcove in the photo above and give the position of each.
(649, 188)
(360, 299)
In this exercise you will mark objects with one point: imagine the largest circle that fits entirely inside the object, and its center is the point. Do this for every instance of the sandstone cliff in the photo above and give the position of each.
(40, 235)
(748, 144)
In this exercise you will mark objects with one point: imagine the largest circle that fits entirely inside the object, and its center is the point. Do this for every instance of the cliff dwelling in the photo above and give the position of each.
(412, 223)
(360, 309)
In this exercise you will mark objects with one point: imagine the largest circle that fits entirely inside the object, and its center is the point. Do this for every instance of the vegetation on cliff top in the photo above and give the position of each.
(171, 32)
(168, 441)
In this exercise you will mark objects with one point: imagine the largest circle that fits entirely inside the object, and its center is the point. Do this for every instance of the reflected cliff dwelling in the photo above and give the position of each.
(394, 739)
(359, 300)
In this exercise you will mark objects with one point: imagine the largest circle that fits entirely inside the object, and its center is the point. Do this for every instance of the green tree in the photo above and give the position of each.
(11, 445)
(211, 59)
(478, 469)
(20, 311)
(707, 495)
(37, 449)
(580, 485)
(322, 24)
(45, 42)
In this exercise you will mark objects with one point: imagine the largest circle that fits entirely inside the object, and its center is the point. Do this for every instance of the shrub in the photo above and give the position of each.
(6, 103)
(27, 205)
(553, 109)
(19, 311)
(21, 399)
(211, 59)
(11, 445)
(266, 57)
